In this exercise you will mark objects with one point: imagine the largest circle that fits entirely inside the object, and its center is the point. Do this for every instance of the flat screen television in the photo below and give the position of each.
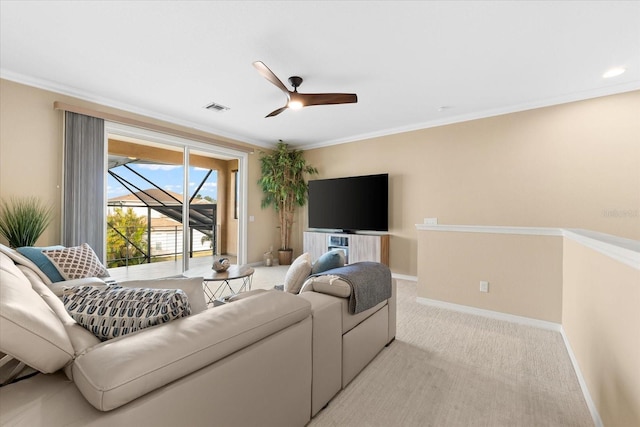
(356, 203)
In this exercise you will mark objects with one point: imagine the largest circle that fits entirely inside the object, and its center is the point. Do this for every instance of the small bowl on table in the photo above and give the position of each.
(221, 265)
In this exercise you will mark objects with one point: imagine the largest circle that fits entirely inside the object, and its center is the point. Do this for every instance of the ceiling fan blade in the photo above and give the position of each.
(269, 75)
(308, 99)
(276, 112)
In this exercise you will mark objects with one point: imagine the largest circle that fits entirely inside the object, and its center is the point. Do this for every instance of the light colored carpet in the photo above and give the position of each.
(449, 369)
(268, 277)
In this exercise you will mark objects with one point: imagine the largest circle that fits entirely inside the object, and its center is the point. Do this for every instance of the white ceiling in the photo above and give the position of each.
(168, 59)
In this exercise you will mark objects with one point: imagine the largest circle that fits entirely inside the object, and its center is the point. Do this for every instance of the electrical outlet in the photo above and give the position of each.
(484, 286)
(431, 221)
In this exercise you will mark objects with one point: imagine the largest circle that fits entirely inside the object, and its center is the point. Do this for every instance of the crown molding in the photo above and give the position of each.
(548, 102)
(91, 97)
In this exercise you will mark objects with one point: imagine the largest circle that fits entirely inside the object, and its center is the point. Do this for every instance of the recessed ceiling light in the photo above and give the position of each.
(613, 72)
(443, 107)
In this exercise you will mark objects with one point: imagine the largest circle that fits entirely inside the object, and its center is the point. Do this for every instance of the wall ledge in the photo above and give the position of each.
(626, 251)
(493, 229)
(404, 277)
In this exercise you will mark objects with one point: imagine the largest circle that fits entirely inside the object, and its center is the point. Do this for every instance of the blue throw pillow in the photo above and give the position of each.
(328, 261)
(42, 261)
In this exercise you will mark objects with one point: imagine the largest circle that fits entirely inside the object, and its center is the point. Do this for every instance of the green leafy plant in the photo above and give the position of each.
(23, 220)
(126, 238)
(282, 182)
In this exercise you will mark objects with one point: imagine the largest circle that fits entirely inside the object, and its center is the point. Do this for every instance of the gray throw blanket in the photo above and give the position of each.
(370, 284)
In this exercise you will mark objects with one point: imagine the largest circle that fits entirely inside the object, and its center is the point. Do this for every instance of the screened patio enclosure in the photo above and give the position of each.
(146, 224)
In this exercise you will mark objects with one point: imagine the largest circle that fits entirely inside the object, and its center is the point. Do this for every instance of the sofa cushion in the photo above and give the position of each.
(114, 311)
(297, 273)
(29, 329)
(329, 260)
(76, 262)
(42, 261)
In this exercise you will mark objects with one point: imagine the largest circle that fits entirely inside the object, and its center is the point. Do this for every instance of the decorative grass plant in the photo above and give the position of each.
(23, 220)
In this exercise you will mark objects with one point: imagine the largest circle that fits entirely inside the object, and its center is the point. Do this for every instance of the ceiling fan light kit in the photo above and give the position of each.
(296, 100)
(295, 105)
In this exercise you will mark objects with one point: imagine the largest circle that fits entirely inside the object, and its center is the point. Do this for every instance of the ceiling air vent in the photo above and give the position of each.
(216, 107)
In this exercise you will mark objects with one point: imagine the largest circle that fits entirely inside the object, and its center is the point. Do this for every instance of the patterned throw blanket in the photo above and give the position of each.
(370, 284)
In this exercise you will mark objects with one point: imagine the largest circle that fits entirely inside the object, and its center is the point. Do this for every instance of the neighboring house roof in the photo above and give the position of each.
(165, 222)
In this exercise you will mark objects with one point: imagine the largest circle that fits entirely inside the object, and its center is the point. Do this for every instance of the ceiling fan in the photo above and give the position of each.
(298, 100)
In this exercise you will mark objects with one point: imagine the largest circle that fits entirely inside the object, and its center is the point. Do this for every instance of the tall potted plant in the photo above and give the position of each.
(23, 220)
(282, 182)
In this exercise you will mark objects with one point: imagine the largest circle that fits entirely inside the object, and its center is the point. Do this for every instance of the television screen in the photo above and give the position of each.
(358, 203)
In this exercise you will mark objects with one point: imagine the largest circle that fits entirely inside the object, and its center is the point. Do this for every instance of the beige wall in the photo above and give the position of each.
(601, 318)
(31, 149)
(524, 272)
(575, 165)
(31, 158)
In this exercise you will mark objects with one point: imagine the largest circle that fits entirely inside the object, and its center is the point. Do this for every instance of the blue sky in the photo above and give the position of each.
(167, 177)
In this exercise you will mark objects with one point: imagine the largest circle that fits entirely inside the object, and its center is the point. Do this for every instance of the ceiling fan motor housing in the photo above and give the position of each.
(295, 81)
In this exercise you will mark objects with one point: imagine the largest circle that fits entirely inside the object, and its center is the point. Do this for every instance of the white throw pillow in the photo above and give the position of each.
(299, 270)
(76, 262)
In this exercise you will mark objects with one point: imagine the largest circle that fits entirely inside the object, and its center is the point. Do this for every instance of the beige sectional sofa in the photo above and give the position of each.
(268, 359)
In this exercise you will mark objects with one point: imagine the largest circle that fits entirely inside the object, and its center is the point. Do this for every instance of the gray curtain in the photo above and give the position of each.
(83, 204)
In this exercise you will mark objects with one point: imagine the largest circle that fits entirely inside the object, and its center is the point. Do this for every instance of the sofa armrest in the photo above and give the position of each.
(118, 371)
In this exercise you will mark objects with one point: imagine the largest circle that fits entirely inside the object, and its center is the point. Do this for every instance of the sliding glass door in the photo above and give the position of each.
(170, 202)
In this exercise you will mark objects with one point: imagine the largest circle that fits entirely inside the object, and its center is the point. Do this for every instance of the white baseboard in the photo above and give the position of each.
(583, 384)
(528, 321)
